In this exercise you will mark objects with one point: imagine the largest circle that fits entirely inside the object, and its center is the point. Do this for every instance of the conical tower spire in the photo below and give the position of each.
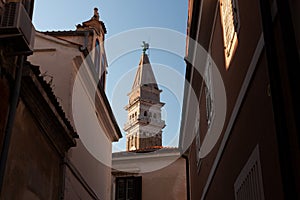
(144, 125)
(144, 74)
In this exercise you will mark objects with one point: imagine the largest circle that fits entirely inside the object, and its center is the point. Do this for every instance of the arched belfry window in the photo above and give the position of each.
(145, 113)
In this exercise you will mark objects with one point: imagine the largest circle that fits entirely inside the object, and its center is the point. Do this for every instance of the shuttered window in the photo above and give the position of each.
(249, 184)
(128, 188)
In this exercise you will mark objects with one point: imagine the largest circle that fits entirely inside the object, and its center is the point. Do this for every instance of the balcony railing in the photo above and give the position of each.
(144, 120)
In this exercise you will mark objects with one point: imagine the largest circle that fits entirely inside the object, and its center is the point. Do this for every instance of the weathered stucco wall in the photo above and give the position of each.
(56, 64)
(55, 58)
(33, 167)
(165, 179)
(166, 183)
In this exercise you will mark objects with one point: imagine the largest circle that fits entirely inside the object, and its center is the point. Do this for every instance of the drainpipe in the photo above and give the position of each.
(62, 177)
(10, 121)
(187, 171)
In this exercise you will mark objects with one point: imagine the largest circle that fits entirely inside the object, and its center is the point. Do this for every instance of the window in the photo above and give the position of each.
(128, 188)
(209, 93)
(208, 105)
(103, 71)
(230, 25)
(197, 138)
(131, 141)
(97, 56)
(249, 183)
(145, 113)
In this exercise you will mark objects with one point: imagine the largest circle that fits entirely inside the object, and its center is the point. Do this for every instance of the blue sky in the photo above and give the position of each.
(123, 16)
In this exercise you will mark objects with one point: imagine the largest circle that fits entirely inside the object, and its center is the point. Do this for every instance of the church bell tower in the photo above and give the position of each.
(144, 124)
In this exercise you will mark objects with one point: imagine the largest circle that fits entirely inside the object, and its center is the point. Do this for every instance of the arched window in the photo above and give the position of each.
(103, 71)
(145, 113)
(131, 141)
(97, 57)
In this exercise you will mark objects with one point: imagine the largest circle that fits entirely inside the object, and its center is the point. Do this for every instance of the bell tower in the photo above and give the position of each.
(144, 124)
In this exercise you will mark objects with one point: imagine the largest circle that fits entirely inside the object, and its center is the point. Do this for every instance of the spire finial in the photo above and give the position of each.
(96, 14)
(145, 47)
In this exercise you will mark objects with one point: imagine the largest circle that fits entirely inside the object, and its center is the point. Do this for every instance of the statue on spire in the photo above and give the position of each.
(96, 14)
(145, 47)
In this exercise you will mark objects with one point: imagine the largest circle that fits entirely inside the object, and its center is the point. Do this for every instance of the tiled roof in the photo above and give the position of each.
(147, 149)
(65, 32)
(154, 149)
(73, 32)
